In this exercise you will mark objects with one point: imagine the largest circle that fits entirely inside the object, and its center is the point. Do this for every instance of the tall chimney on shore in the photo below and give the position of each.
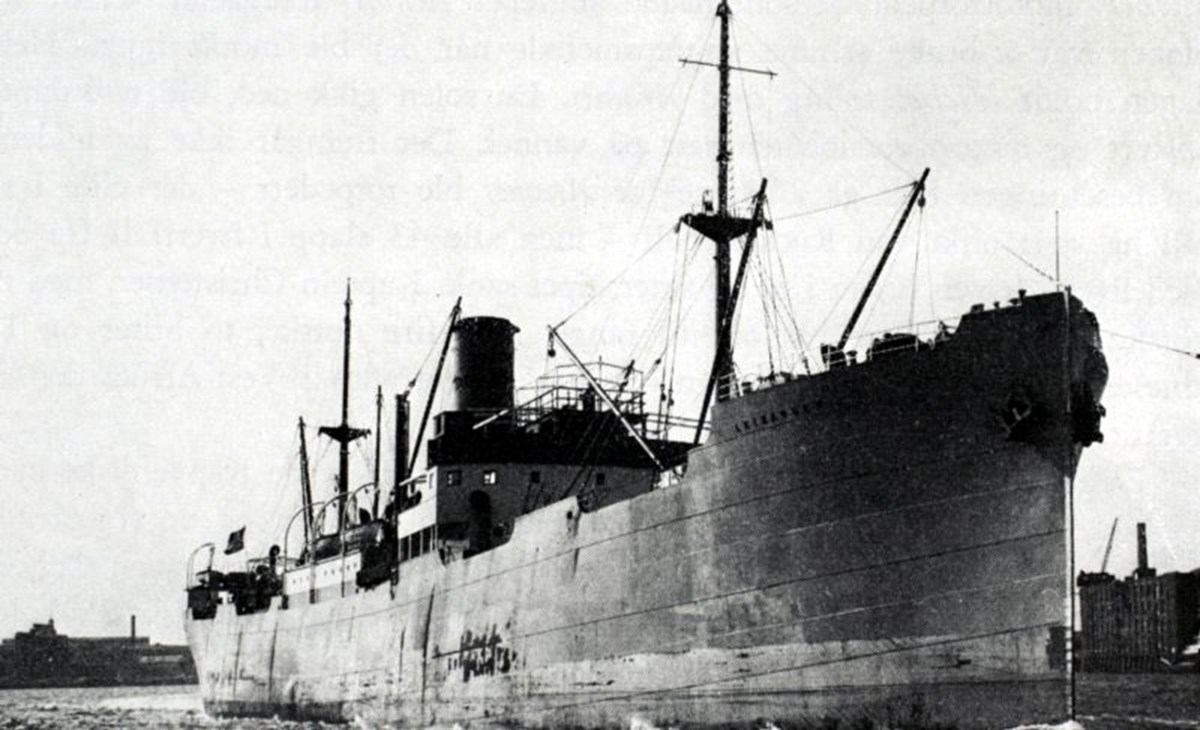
(1143, 570)
(132, 627)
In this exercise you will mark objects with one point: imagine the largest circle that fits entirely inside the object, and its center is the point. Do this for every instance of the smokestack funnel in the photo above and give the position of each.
(133, 627)
(481, 365)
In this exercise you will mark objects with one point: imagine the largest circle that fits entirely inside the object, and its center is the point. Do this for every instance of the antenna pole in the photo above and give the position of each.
(1057, 278)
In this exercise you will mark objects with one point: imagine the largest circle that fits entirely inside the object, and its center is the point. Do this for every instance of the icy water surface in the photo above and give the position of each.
(119, 707)
(1105, 702)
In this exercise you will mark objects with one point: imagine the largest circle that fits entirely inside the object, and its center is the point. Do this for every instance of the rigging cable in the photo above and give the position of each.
(1150, 343)
(878, 150)
(929, 275)
(283, 480)
(746, 101)
(678, 259)
(862, 264)
(852, 201)
(432, 346)
(798, 338)
(616, 278)
(766, 288)
(1025, 261)
(678, 122)
(912, 295)
(681, 315)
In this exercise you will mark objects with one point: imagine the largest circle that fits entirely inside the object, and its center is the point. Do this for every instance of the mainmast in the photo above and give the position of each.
(343, 433)
(722, 227)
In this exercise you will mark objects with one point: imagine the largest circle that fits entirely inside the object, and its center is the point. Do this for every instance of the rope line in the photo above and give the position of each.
(1150, 343)
(852, 201)
(828, 105)
(616, 278)
(674, 133)
(1026, 261)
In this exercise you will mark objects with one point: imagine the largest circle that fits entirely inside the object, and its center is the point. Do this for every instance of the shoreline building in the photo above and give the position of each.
(42, 657)
(1145, 623)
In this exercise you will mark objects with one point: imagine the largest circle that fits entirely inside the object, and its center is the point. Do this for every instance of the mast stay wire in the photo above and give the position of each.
(929, 272)
(828, 105)
(737, 55)
(912, 295)
(844, 203)
(657, 321)
(432, 346)
(1023, 260)
(872, 252)
(674, 132)
(686, 257)
(765, 294)
(1151, 343)
(681, 314)
(799, 340)
(285, 474)
(780, 304)
(616, 278)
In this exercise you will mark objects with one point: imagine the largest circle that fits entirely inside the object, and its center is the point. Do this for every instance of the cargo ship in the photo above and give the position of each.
(882, 540)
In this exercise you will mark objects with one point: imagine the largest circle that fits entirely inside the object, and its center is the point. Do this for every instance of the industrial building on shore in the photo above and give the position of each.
(42, 657)
(1145, 623)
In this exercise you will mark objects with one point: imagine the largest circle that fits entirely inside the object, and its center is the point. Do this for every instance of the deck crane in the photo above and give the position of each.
(1108, 547)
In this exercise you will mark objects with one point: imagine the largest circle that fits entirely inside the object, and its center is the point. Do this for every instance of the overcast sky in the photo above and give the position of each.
(185, 188)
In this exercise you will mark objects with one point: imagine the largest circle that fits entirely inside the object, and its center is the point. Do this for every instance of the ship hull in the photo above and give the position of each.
(874, 545)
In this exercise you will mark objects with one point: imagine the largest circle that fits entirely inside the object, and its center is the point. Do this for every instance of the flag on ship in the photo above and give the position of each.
(236, 541)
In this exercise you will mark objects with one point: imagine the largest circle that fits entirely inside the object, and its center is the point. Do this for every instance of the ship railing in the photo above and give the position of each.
(312, 555)
(192, 579)
(859, 350)
(610, 376)
(658, 425)
(536, 401)
(909, 338)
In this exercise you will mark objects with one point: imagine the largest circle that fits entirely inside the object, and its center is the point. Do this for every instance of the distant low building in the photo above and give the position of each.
(1146, 623)
(42, 657)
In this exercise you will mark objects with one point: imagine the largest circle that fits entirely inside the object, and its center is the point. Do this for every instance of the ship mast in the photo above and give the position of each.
(722, 227)
(378, 434)
(343, 433)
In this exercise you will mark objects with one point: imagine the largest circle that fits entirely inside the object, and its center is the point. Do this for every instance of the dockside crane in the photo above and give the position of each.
(1108, 548)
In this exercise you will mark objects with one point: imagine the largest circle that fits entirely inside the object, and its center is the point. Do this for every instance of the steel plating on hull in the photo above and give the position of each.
(868, 542)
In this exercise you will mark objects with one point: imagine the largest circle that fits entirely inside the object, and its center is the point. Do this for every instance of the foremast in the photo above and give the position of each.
(721, 226)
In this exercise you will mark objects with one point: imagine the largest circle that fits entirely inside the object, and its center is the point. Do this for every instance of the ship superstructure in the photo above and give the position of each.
(885, 540)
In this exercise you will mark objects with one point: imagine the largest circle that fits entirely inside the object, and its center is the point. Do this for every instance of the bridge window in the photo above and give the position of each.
(489, 476)
(453, 477)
